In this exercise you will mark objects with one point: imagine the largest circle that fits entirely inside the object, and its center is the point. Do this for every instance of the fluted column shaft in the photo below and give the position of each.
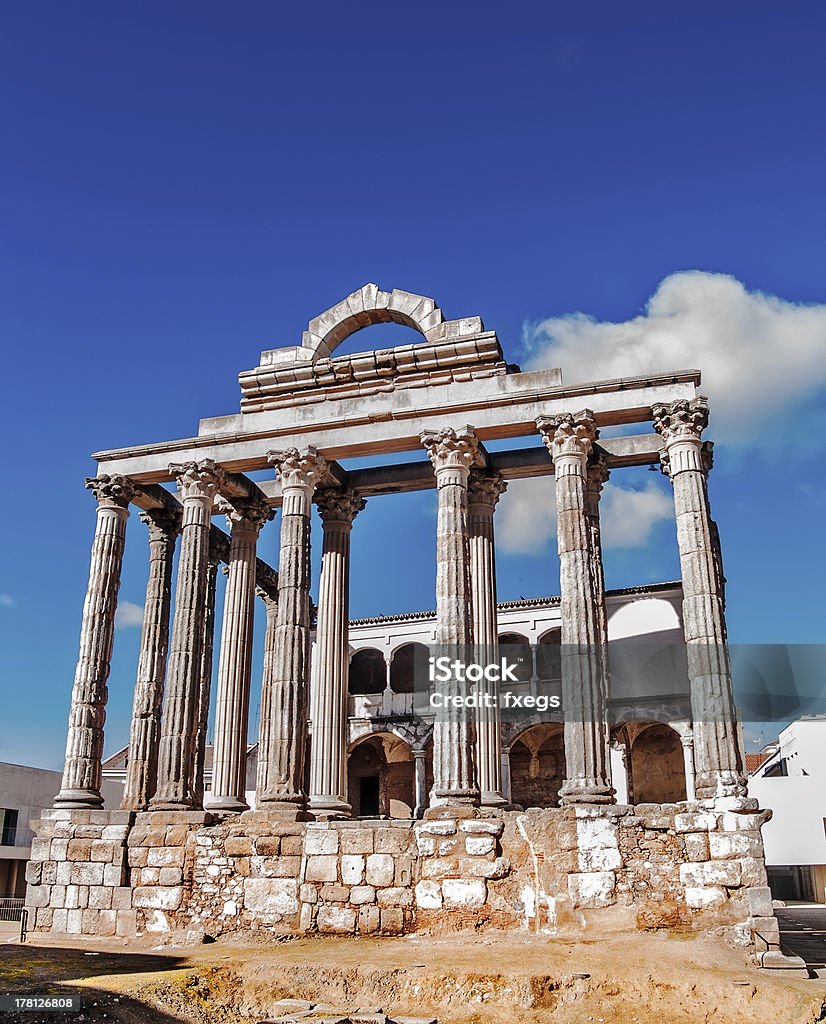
(144, 735)
(328, 695)
(717, 758)
(587, 757)
(286, 733)
(483, 493)
(205, 687)
(452, 454)
(265, 722)
(198, 484)
(84, 743)
(245, 518)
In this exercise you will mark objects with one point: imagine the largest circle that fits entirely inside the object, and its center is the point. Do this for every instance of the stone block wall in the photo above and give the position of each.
(671, 866)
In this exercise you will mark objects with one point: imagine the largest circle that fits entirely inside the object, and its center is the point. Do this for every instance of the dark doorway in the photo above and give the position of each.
(369, 796)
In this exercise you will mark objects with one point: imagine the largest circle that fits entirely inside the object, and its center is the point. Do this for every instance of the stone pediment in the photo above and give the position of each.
(451, 350)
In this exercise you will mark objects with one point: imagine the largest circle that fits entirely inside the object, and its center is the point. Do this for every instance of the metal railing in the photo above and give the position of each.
(11, 909)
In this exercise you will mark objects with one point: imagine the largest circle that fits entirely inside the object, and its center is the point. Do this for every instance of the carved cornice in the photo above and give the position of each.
(681, 420)
(200, 480)
(338, 505)
(112, 491)
(485, 488)
(452, 449)
(569, 433)
(299, 469)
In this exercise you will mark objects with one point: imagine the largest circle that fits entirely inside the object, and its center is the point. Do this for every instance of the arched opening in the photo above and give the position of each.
(367, 672)
(647, 651)
(657, 766)
(403, 666)
(518, 649)
(537, 765)
(381, 777)
(549, 656)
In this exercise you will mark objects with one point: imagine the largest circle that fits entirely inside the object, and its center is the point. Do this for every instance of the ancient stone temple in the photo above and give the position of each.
(174, 858)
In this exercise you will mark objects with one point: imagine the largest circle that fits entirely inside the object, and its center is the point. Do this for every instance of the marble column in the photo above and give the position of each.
(198, 483)
(717, 756)
(687, 742)
(328, 711)
(420, 782)
(285, 733)
(84, 744)
(596, 478)
(245, 517)
(265, 714)
(205, 686)
(484, 491)
(453, 453)
(570, 440)
(142, 759)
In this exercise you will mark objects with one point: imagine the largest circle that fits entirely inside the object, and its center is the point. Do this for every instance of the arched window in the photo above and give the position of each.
(367, 672)
(404, 664)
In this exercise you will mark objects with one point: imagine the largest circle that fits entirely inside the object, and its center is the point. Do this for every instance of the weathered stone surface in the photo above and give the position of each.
(322, 869)
(428, 894)
(271, 896)
(380, 869)
(593, 889)
(463, 894)
(337, 920)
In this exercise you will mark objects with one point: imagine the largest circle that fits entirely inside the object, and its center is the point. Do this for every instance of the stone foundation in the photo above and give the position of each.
(563, 870)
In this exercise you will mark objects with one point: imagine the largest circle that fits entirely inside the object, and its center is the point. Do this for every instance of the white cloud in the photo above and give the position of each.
(628, 517)
(759, 355)
(6, 601)
(526, 517)
(128, 615)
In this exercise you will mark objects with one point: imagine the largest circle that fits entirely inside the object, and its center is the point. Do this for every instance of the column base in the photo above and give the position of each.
(329, 808)
(226, 805)
(492, 799)
(284, 810)
(711, 785)
(586, 791)
(88, 799)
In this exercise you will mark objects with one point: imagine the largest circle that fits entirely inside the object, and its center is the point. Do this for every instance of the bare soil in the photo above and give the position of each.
(625, 978)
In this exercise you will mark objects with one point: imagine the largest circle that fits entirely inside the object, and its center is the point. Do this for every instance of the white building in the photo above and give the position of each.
(789, 777)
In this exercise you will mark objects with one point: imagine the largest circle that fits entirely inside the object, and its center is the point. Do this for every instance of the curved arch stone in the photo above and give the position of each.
(368, 305)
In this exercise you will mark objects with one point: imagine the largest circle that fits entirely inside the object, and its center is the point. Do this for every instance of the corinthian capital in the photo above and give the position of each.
(452, 449)
(681, 420)
(249, 513)
(338, 505)
(111, 491)
(569, 433)
(299, 469)
(485, 488)
(597, 477)
(198, 479)
(162, 522)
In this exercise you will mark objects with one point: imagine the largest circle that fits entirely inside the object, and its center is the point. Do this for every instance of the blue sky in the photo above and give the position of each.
(183, 185)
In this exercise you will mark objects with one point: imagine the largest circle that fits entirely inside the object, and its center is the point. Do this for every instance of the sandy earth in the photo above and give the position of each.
(635, 978)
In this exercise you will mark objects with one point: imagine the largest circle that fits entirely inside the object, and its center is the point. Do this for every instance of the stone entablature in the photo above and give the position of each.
(557, 871)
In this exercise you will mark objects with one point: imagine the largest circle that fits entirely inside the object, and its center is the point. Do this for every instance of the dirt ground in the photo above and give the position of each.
(626, 978)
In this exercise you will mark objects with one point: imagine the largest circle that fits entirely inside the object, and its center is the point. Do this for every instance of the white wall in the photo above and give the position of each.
(795, 834)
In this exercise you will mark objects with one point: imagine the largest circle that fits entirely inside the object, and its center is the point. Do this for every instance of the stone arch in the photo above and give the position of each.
(656, 772)
(381, 776)
(370, 305)
(537, 765)
(367, 673)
